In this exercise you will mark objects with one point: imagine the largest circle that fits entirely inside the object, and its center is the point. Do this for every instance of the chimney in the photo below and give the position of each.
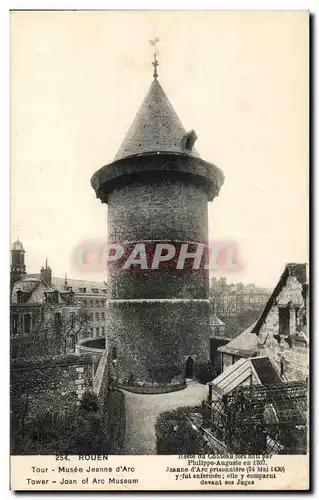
(223, 282)
(213, 282)
(46, 273)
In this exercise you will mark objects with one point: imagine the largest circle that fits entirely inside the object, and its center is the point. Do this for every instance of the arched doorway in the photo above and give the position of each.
(189, 368)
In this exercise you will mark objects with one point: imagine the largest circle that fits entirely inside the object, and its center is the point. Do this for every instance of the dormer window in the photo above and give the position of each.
(188, 140)
(52, 297)
(83, 290)
(69, 289)
(95, 290)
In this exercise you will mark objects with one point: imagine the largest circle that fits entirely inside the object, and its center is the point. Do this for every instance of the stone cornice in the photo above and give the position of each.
(157, 165)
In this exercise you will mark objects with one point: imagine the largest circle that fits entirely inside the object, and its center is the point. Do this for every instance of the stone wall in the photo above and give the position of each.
(44, 337)
(95, 354)
(153, 321)
(289, 351)
(294, 357)
(52, 384)
(155, 338)
(161, 209)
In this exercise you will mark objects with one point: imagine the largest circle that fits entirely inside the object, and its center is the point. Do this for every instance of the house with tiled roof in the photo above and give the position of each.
(282, 330)
(38, 299)
(242, 346)
(245, 372)
(279, 337)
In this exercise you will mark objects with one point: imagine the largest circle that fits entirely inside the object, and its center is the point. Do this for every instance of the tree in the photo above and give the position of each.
(54, 332)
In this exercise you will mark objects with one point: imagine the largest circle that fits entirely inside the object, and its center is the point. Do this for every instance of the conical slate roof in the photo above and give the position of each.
(156, 128)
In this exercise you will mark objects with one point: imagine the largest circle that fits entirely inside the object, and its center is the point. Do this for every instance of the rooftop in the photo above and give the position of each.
(244, 345)
(156, 128)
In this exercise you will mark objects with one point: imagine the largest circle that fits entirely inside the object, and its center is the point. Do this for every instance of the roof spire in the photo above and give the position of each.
(46, 262)
(155, 63)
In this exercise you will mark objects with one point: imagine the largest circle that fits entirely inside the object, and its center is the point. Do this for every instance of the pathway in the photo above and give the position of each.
(141, 411)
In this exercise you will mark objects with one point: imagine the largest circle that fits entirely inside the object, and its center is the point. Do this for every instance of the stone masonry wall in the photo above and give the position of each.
(152, 338)
(152, 332)
(293, 351)
(55, 384)
(169, 209)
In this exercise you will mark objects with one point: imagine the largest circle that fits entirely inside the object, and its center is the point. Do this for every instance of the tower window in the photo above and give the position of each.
(282, 367)
(114, 353)
(189, 140)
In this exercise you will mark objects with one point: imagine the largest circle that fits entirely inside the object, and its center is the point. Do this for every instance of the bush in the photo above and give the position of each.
(206, 372)
(163, 374)
(78, 430)
(114, 412)
(175, 434)
(89, 402)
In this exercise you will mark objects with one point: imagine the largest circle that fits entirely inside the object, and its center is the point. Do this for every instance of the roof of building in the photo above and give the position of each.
(29, 283)
(266, 371)
(59, 284)
(17, 245)
(299, 271)
(261, 368)
(156, 127)
(244, 345)
(215, 321)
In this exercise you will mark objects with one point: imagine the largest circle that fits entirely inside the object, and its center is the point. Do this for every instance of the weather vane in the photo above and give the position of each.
(155, 63)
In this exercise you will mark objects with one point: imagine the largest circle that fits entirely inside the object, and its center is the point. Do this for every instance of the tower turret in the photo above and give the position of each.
(17, 268)
(157, 190)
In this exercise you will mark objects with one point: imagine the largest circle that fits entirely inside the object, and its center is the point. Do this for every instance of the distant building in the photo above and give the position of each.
(279, 338)
(230, 299)
(51, 315)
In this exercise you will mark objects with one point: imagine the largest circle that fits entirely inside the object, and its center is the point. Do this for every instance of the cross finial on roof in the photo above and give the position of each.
(155, 63)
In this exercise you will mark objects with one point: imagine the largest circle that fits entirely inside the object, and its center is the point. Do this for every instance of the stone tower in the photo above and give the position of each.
(157, 190)
(18, 268)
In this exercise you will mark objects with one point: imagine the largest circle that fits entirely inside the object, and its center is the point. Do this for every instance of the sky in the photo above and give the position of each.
(239, 79)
